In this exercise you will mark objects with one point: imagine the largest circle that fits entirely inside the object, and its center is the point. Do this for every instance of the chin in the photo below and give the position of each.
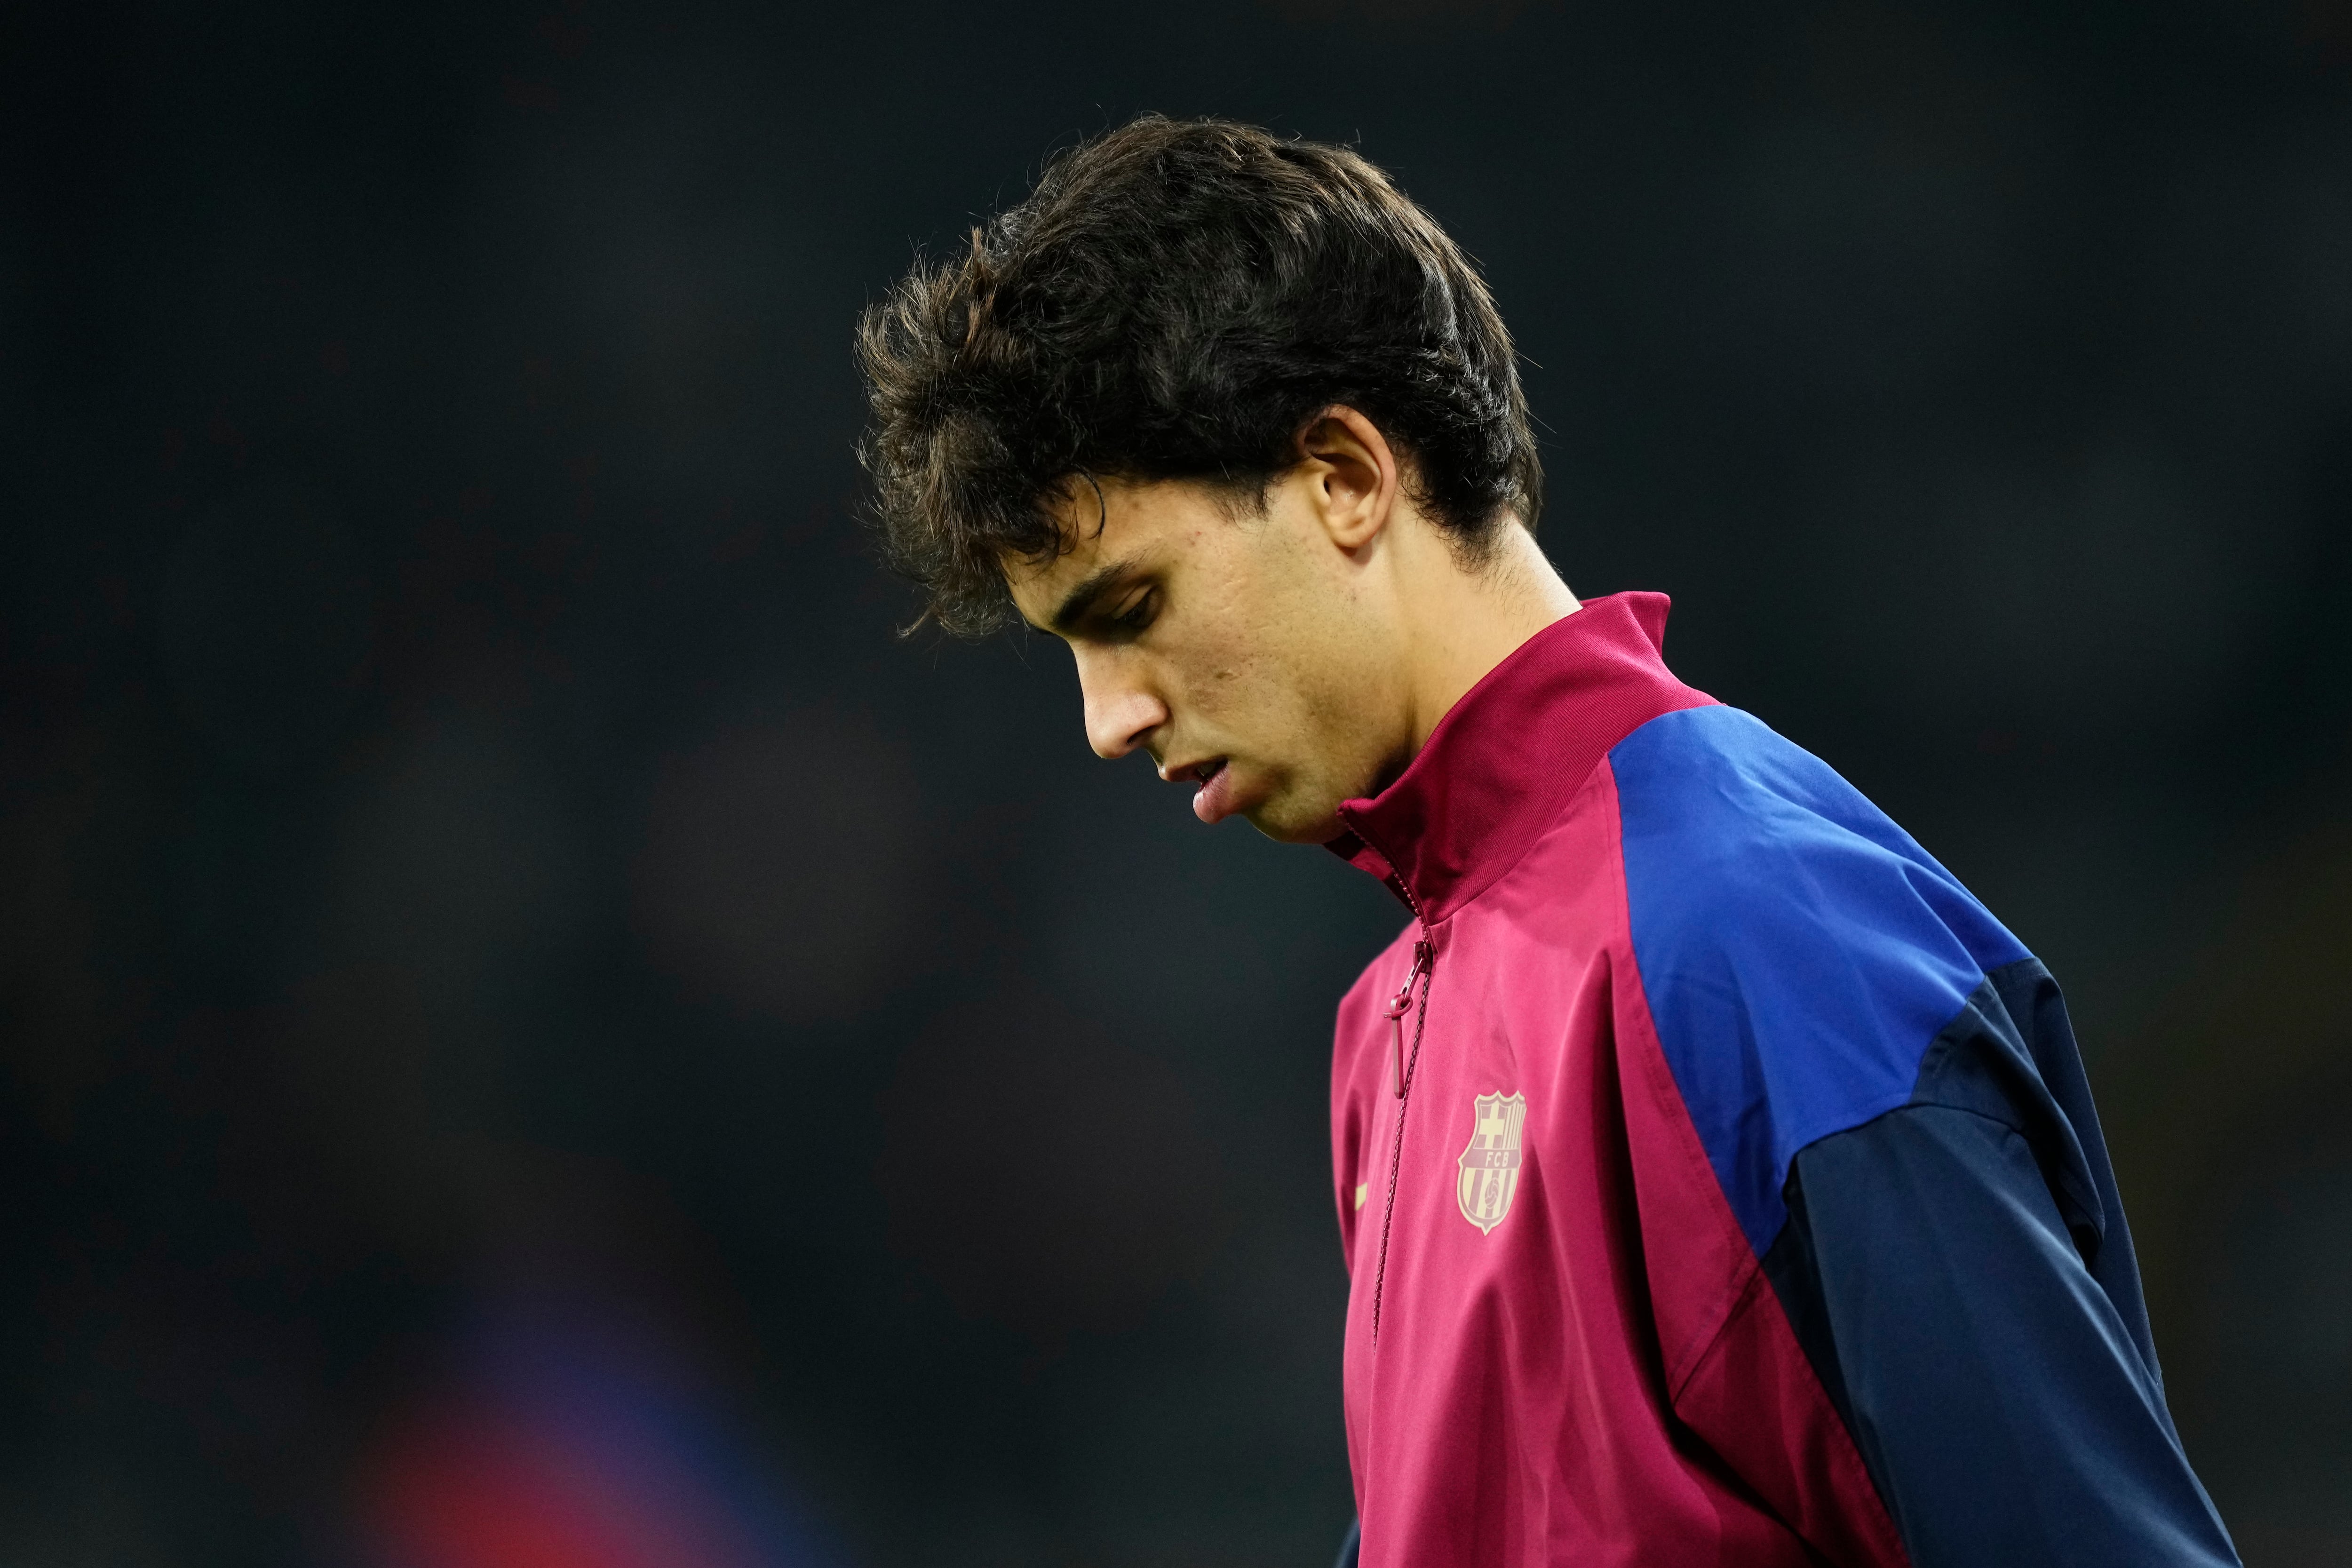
(1298, 822)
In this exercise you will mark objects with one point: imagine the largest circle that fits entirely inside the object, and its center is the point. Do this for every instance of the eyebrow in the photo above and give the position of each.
(1080, 600)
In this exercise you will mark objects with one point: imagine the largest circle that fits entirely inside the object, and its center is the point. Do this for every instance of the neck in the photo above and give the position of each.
(1460, 625)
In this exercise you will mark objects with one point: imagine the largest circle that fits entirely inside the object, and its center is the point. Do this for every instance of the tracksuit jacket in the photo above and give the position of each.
(1718, 1180)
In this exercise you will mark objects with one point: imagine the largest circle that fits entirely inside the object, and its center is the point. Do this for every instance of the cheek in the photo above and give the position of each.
(1218, 688)
(1330, 690)
(1214, 661)
(1244, 658)
(1213, 680)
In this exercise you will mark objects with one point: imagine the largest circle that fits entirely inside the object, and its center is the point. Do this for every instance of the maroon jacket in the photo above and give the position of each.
(1743, 1202)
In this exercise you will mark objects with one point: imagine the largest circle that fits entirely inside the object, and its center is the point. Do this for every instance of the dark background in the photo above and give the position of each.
(521, 997)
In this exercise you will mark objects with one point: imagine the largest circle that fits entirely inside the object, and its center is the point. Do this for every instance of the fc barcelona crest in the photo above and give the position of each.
(1490, 1166)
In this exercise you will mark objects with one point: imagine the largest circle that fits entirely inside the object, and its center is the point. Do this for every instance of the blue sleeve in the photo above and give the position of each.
(1959, 1273)
(1887, 1087)
(1350, 1548)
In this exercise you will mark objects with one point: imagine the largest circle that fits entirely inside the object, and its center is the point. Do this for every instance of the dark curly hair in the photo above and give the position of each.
(1178, 300)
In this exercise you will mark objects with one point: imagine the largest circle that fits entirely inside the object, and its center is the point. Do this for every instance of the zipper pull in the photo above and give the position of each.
(1424, 959)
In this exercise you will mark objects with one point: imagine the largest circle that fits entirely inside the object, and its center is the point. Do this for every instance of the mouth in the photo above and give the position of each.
(1213, 799)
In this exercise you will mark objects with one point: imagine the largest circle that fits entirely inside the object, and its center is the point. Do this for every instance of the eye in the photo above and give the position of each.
(1140, 612)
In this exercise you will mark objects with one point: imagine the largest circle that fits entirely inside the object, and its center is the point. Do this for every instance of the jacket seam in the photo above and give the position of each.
(1739, 1300)
(1847, 1453)
(1680, 1364)
(1569, 800)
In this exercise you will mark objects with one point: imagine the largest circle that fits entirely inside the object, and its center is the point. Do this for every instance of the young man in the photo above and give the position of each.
(1717, 1179)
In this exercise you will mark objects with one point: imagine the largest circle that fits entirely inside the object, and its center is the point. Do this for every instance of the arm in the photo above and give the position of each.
(2003, 1405)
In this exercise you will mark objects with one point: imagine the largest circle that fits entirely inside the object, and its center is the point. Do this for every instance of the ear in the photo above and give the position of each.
(1351, 475)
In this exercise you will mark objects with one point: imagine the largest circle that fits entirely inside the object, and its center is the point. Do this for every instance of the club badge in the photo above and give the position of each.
(1490, 1165)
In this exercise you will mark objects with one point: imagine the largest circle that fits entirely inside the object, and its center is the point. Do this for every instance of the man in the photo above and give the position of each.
(1717, 1179)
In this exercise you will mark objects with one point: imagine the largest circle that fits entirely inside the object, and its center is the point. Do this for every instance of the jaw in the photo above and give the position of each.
(1320, 833)
(1332, 757)
(1296, 813)
(1323, 832)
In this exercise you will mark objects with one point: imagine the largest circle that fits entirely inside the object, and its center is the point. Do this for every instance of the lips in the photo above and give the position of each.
(1215, 797)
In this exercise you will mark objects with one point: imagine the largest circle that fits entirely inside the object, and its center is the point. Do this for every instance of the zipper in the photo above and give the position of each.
(1402, 1066)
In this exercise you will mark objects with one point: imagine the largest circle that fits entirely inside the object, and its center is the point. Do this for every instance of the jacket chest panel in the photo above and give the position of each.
(1511, 1170)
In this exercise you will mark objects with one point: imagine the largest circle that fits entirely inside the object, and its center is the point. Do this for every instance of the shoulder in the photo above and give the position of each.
(1798, 951)
(1740, 844)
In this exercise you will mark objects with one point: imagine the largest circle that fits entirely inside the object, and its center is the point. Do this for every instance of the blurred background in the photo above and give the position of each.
(536, 1032)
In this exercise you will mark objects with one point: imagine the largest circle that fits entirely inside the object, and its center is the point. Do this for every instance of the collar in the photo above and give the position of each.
(1507, 757)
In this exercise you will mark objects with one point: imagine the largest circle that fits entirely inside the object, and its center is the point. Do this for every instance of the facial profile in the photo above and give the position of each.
(1249, 651)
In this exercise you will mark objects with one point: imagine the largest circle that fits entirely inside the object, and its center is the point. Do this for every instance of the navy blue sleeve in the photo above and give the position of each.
(1350, 1548)
(1960, 1275)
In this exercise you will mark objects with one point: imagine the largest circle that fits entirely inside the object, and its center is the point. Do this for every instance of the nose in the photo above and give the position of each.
(1121, 712)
